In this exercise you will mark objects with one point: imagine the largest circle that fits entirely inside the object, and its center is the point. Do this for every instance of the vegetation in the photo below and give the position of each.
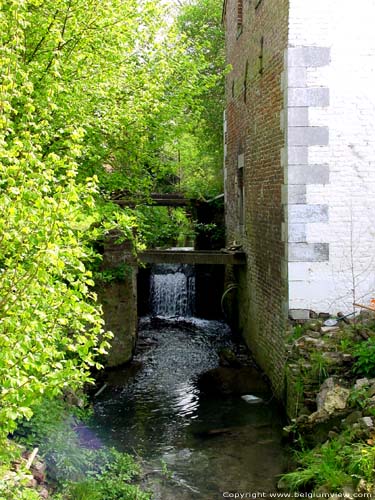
(78, 469)
(333, 465)
(97, 98)
(335, 451)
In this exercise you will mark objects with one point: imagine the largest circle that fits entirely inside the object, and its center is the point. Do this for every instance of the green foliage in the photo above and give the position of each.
(162, 226)
(334, 464)
(14, 483)
(319, 368)
(78, 472)
(200, 144)
(92, 98)
(365, 358)
(324, 465)
(297, 332)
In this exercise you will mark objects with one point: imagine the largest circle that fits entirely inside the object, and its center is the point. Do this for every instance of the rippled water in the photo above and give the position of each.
(154, 408)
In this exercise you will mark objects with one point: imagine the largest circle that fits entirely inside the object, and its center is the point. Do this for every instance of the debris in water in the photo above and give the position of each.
(249, 398)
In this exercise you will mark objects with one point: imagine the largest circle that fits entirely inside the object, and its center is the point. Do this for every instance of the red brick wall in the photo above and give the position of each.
(253, 128)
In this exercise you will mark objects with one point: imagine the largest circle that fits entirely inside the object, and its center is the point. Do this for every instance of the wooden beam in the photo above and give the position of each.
(192, 257)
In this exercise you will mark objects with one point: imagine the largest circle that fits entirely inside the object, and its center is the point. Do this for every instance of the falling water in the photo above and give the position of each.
(172, 290)
(194, 446)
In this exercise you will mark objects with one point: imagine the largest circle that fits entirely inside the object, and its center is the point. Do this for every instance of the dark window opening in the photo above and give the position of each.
(245, 82)
(261, 55)
(239, 17)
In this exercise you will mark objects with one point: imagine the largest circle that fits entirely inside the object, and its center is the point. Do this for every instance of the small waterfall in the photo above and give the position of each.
(172, 290)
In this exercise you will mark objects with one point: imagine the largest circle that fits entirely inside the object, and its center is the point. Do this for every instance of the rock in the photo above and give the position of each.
(333, 358)
(348, 491)
(314, 325)
(312, 334)
(228, 358)
(333, 434)
(371, 391)
(326, 329)
(324, 316)
(366, 422)
(332, 397)
(44, 493)
(361, 382)
(39, 471)
(227, 381)
(352, 418)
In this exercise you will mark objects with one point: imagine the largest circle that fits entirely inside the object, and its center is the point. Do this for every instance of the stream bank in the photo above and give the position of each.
(331, 396)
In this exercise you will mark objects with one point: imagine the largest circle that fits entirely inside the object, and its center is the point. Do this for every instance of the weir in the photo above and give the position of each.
(159, 407)
(172, 290)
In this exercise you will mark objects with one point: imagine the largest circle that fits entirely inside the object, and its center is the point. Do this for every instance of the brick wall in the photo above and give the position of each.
(254, 174)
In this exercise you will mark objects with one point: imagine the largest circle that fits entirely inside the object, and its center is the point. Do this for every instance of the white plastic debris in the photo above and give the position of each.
(249, 398)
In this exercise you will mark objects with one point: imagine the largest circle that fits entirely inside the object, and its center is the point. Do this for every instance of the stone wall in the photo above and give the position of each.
(256, 40)
(119, 300)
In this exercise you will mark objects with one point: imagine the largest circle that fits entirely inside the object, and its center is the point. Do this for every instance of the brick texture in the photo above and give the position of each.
(254, 104)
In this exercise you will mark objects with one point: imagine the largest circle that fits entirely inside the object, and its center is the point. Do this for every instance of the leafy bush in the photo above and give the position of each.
(365, 358)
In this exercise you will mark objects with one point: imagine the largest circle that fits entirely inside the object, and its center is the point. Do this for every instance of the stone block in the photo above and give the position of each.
(297, 233)
(306, 56)
(297, 77)
(308, 174)
(294, 194)
(298, 117)
(311, 96)
(308, 252)
(301, 214)
(299, 314)
(297, 155)
(308, 136)
(299, 271)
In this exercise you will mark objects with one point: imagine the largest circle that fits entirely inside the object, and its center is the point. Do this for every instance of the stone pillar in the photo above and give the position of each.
(119, 298)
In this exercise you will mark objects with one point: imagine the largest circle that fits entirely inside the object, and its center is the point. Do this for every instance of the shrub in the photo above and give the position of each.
(365, 358)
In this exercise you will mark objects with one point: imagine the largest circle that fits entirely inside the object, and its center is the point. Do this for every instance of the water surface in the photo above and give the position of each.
(193, 446)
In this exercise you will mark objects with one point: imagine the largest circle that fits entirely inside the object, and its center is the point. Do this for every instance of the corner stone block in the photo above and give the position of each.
(308, 174)
(308, 136)
(308, 252)
(297, 77)
(298, 117)
(297, 155)
(302, 214)
(310, 96)
(294, 194)
(306, 56)
(297, 233)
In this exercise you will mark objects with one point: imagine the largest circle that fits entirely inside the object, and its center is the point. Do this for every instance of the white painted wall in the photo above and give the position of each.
(346, 27)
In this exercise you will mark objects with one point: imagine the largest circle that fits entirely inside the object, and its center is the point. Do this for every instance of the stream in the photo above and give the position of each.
(192, 445)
